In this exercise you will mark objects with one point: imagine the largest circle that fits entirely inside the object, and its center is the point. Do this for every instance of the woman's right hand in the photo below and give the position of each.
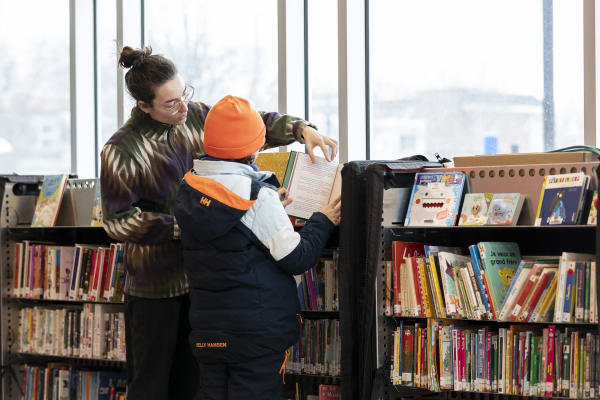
(333, 210)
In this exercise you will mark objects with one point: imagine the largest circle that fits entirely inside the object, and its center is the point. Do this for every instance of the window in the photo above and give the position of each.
(323, 66)
(34, 81)
(107, 70)
(467, 77)
(219, 47)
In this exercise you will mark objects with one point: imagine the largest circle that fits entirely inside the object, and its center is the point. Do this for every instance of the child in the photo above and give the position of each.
(240, 253)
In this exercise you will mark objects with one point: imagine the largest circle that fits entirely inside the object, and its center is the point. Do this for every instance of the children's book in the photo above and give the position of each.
(329, 392)
(561, 199)
(449, 265)
(310, 185)
(505, 209)
(436, 199)
(48, 201)
(475, 209)
(593, 215)
(97, 206)
(499, 261)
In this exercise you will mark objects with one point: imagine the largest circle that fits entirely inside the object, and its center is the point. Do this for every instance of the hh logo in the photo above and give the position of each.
(213, 345)
(205, 202)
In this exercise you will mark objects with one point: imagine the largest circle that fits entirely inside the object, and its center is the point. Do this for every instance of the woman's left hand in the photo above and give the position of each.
(313, 139)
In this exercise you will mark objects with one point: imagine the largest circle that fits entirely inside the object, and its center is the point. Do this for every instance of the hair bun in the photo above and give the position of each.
(133, 58)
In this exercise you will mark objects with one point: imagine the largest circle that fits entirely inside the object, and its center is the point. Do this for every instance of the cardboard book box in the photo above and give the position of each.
(524, 159)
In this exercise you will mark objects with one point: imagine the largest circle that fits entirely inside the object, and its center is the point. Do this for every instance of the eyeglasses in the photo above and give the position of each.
(188, 92)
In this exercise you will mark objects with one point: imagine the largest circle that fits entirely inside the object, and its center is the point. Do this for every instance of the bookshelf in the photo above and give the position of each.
(18, 203)
(317, 344)
(532, 240)
(17, 206)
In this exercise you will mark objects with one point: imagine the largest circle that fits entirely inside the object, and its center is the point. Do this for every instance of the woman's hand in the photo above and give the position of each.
(283, 196)
(333, 210)
(313, 139)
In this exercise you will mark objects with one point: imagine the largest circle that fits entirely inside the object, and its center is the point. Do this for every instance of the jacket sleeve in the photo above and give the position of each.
(282, 129)
(294, 252)
(127, 217)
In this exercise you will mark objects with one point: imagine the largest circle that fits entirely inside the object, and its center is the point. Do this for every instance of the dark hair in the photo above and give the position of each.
(147, 71)
(249, 159)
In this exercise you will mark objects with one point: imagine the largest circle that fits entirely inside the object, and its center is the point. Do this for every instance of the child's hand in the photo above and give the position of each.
(283, 196)
(333, 210)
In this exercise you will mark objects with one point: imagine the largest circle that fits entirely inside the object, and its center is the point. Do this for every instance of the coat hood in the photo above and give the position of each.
(215, 195)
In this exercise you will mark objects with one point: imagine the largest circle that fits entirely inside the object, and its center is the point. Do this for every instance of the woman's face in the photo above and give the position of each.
(170, 102)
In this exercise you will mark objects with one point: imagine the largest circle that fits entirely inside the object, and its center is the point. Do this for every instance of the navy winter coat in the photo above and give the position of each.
(240, 253)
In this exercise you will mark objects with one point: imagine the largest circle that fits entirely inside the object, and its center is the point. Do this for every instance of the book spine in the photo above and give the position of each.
(438, 289)
(586, 306)
(568, 293)
(388, 291)
(528, 308)
(396, 260)
(579, 291)
(407, 358)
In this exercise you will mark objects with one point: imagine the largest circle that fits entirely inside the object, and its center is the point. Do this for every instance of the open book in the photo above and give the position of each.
(310, 185)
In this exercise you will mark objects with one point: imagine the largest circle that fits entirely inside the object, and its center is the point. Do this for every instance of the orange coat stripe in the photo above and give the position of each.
(218, 192)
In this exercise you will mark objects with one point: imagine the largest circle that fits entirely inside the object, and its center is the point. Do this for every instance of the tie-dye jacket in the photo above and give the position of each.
(142, 165)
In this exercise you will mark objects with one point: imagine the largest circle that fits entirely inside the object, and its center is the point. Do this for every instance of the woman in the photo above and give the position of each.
(141, 167)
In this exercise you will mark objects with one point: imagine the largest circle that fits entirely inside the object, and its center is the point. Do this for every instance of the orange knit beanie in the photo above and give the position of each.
(233, 129)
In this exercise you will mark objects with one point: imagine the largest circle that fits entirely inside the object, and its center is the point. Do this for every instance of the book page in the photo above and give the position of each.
(310, 185)
(336, 188)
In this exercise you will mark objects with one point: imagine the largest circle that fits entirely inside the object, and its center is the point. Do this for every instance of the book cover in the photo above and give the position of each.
(276, 162)
(448, 264)
(475, 209)
(310, 185)
(593, 215)
(499, 261)
(505, 209)
(329, 392)
(479, 276)
(560, 200)
(48, 201)
(400, 251)
(436, 198)
(431, 254)
(97, 206)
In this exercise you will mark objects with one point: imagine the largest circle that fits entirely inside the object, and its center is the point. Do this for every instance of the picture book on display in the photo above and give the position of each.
(505, 209)
(49, 200)
(436, 199)
(310, 185)
(97, 206)
(475, 209)
(562, 199)
(593, 215)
